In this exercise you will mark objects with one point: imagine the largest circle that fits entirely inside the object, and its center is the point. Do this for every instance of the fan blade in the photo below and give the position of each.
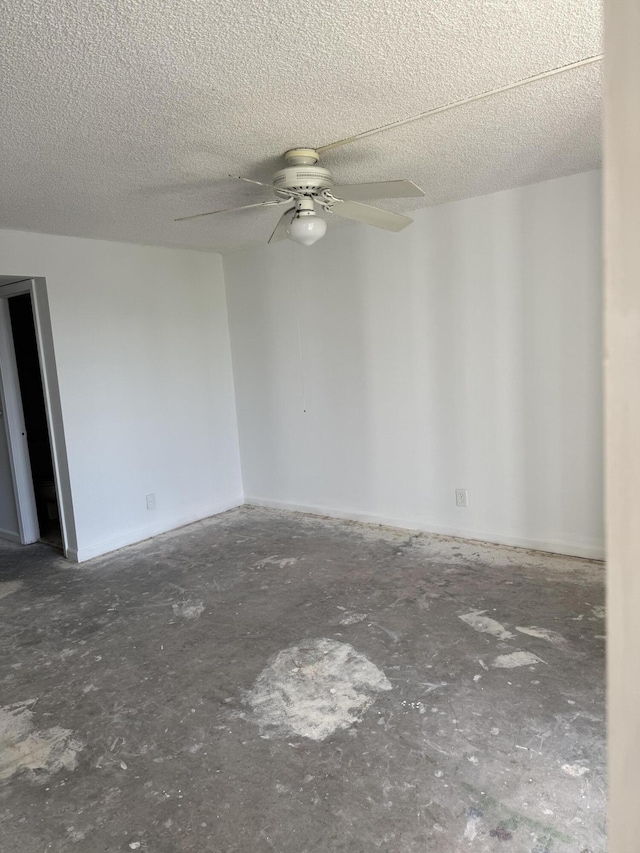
(381, 189)
(280, 231)
(371, 215)
(230, 210)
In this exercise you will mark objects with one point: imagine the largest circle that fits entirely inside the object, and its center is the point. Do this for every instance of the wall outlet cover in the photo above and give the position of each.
(461, 497)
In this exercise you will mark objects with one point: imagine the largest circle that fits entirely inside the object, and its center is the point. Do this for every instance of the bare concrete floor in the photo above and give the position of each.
(265, 681)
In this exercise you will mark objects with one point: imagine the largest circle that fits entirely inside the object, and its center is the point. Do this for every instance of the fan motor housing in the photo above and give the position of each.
(303, 179)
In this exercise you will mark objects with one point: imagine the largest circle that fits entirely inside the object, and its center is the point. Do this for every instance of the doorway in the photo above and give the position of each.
(34, 485)
(35, 417)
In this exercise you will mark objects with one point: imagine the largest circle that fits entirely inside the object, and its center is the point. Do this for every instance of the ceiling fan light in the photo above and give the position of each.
(306, 228)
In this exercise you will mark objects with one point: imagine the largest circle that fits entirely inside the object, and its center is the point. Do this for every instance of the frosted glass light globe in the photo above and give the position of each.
(307, 228)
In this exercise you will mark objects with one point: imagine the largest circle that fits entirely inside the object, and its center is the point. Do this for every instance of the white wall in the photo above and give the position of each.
(376, 372)
(144, 368)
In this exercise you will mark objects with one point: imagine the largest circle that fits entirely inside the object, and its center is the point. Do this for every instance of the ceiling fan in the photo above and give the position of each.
(302, 186)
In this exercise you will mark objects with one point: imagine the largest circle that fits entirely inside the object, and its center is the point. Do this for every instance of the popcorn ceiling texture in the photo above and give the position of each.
(120, 115)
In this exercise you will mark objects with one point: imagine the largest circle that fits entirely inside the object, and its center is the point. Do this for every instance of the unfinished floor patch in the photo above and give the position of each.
(485, 625)
(314, 689)
(188, 609)
(45, 752)
(516, 659)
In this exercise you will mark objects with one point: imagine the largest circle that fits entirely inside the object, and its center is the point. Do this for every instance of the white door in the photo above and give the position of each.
(9, 528)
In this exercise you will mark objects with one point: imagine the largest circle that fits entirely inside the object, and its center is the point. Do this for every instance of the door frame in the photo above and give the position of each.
(28, 527)
(14, 418)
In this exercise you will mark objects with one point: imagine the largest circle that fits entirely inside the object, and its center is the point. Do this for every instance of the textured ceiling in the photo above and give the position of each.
(120, 115)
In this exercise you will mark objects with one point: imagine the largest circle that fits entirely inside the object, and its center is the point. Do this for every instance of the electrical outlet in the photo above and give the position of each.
(461, 497)
(151, 501)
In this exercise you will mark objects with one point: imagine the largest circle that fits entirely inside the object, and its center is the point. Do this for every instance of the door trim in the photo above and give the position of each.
(15, 428)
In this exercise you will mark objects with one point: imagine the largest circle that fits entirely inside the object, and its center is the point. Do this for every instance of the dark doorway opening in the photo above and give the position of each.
(35, 417)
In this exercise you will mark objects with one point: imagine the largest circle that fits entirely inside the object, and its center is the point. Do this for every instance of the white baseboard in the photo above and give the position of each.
(589, 551)
(88, 552)
(10, 536)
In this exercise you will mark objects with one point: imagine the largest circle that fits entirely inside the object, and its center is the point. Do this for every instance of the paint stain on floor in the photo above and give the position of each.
(314, 689)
